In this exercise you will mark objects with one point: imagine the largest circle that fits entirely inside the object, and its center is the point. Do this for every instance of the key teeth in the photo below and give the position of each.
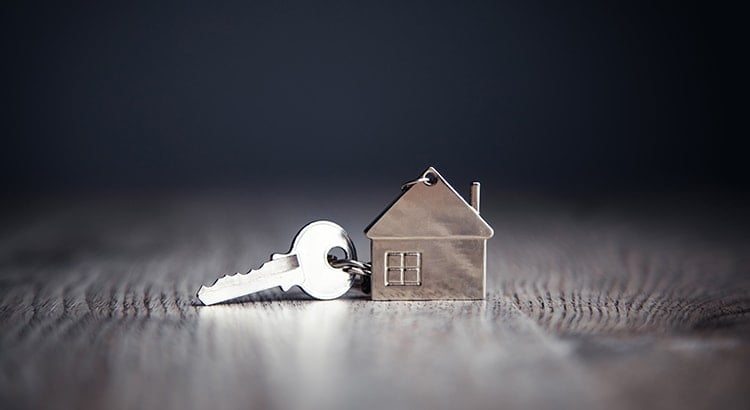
(216, 282)
(205, 288)
(220, 290)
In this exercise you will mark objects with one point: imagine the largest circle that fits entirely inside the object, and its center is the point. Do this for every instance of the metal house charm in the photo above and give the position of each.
(430, 244)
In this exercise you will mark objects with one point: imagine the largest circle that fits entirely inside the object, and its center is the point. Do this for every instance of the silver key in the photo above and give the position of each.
(306, 265)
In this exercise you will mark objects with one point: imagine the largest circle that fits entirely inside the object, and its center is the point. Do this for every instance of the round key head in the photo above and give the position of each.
(312, 246)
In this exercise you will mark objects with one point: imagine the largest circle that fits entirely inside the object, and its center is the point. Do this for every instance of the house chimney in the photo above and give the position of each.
(475, 196)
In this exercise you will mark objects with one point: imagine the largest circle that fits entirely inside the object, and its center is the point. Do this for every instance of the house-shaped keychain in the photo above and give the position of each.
(430, 244)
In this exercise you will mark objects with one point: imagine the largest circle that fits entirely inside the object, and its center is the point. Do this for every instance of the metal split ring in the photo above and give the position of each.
(416, 181)
(428, 178)
(352, 266)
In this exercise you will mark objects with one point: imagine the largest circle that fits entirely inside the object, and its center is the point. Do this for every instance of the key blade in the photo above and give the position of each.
(281, 271)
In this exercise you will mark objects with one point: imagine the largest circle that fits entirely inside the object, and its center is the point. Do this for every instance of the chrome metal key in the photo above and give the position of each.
(306, 265)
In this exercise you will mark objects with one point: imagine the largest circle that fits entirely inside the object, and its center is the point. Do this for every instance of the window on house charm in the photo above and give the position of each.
(403, 269)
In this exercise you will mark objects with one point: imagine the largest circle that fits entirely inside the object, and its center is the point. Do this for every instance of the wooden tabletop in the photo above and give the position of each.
(620, 303)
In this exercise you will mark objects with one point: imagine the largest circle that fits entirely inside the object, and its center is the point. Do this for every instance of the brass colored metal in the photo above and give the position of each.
(430, 244)
(475, 195)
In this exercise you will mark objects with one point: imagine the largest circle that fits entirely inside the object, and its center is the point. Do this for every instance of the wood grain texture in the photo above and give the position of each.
(594, 305)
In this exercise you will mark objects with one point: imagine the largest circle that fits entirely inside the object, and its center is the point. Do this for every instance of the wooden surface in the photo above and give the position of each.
(603, 304)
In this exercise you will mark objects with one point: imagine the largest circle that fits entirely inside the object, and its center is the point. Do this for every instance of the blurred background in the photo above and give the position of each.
(567, 98)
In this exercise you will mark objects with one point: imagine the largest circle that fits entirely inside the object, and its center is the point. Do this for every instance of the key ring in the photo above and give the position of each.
(428, 178)
(351, 266)
(414, 182)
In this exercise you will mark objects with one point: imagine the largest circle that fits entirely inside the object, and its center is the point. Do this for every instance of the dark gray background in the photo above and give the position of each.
(524, 95)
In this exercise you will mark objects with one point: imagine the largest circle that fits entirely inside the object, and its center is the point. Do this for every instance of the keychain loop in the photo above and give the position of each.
(428, 178)
(351, 266)
(416, 181)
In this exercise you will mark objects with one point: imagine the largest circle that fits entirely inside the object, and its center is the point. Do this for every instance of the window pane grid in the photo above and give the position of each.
(403, 269)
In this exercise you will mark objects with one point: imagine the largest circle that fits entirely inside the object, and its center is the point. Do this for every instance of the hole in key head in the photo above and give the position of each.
(337, 253)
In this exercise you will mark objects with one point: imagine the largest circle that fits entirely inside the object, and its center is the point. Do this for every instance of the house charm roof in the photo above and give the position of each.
(429, 209)
(429, 244)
